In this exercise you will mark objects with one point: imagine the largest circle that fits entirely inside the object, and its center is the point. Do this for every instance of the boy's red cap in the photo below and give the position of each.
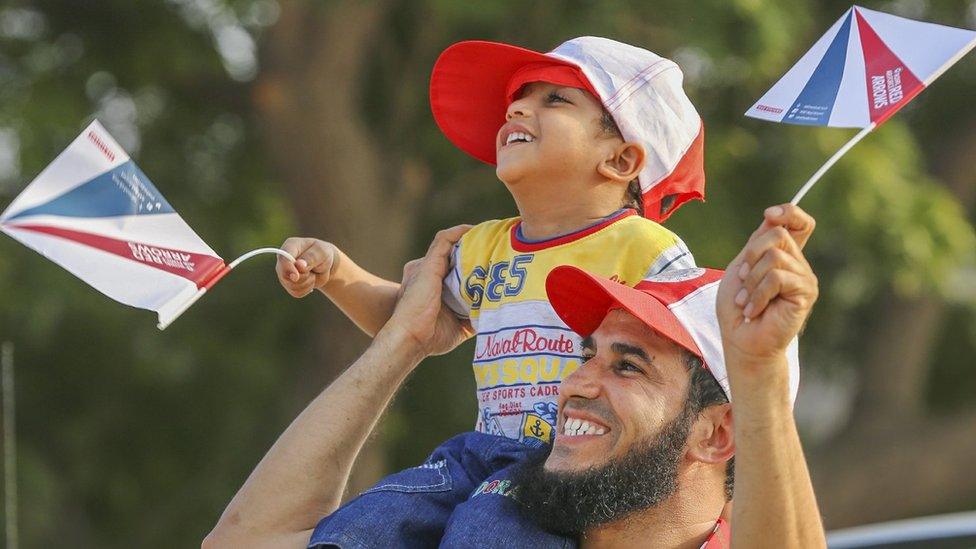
(473, 82)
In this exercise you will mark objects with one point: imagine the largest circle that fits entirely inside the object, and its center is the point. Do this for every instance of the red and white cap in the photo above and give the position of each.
(473, 83)
(678, 304)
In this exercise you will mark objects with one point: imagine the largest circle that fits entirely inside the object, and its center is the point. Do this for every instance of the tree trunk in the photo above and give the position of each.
(341, 184)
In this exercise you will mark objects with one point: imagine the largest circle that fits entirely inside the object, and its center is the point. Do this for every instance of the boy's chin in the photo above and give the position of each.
(512, 174)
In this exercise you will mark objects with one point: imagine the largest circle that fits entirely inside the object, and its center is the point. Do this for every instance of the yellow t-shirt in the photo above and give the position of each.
(523, 350)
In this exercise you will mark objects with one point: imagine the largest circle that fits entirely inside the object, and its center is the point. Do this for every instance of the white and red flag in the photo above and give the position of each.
(95, 213)
(866, 67)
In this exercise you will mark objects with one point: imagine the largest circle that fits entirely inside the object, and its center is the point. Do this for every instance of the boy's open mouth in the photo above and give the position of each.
(519, 137)
(513, 133)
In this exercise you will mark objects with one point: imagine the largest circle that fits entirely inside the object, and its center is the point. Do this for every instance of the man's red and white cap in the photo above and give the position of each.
(677, 304)
(473, 83)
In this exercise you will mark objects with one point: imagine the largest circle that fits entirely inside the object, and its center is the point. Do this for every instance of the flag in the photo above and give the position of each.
(95, 213)
(863, 70)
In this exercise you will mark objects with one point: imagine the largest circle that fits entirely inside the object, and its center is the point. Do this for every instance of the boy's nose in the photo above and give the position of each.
(517, 109)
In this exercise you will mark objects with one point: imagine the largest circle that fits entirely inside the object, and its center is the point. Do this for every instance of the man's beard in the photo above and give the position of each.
(568, 503)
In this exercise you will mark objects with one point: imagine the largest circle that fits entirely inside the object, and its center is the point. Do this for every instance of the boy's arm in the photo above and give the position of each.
(302, 477)
(764, 299)
(365, 298)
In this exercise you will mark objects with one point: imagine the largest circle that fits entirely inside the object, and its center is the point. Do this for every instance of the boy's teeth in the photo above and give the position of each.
(519, 136)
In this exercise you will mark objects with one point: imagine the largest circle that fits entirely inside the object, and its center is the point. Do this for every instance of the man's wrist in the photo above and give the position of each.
(400, 344)
(759, 378)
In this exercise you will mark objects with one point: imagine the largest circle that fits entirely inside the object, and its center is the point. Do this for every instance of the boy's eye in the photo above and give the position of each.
(554, 97)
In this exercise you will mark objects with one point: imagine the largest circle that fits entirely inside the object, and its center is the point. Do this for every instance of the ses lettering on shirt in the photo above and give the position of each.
(503, 278)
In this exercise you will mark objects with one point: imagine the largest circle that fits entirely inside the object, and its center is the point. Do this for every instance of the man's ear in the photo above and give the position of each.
(711, 439)
(623, 163)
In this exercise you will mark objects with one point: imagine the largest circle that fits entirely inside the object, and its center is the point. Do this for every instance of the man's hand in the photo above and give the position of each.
(312, 269)
(420, 315)
(769, 288)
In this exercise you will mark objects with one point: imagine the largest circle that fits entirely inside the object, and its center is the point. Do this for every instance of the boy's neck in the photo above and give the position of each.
(546, 215)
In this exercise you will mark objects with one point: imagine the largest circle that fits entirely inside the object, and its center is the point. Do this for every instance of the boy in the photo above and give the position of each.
(596, 141)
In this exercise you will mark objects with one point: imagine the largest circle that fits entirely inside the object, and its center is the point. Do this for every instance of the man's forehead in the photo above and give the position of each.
(619, 326)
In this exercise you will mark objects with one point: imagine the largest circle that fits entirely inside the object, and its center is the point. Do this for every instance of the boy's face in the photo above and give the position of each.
(553, 134)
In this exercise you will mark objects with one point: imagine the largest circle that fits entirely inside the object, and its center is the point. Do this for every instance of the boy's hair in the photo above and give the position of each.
(632, 199)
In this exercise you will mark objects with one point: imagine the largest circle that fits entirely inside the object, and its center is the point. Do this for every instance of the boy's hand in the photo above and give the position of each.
(313, 266)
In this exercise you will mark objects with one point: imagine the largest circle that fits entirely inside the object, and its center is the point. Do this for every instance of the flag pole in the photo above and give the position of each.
(163, 324)
(9, 445)
(833, 160)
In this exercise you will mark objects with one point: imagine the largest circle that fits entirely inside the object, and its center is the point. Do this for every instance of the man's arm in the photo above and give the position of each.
(765, 297)
(366, 299)
(302, 477)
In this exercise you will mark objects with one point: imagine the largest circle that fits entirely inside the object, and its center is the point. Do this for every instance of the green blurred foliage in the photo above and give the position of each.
(132, 437)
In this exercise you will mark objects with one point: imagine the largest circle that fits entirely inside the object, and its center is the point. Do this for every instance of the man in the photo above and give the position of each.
(634, 389)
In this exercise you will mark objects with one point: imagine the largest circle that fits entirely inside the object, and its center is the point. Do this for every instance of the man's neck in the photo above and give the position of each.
(551, 211)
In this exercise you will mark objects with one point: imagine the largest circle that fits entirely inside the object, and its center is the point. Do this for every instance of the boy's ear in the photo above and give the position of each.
(711, 439)
(624, 162)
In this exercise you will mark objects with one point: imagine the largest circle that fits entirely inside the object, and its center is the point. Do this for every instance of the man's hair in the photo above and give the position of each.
(704, 391)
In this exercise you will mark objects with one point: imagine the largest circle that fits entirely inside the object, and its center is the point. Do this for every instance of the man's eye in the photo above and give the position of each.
(554, 97)
(585, 357)
(625, 366)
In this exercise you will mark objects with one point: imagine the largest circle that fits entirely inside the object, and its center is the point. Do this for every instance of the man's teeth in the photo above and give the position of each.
(519, 136)
(575, 427)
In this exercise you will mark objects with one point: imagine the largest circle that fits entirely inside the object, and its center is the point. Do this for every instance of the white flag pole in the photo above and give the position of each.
(9, 445)
(833, 160)
(163, 324)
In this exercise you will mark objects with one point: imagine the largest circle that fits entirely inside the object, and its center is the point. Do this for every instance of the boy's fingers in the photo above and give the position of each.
(302, 288)
(294, 246)
(286, 270)
(313, 258)
(289, 270)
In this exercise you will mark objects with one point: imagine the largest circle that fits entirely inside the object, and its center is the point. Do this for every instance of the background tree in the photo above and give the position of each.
(261, 119)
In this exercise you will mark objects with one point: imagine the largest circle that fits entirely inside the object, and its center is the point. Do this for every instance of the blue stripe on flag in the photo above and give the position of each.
(816, 101)
(123, 190)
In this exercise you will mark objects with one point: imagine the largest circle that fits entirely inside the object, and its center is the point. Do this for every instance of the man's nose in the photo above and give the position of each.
(584, 382)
